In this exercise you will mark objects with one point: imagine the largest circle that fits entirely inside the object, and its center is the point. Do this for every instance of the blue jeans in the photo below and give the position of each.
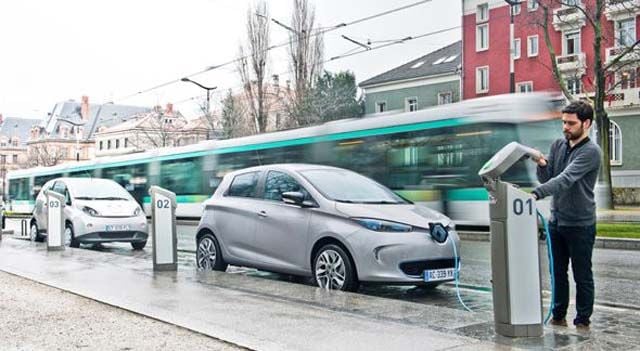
(575, 244)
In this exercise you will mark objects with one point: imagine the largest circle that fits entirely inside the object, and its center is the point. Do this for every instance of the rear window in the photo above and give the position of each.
(244, 185)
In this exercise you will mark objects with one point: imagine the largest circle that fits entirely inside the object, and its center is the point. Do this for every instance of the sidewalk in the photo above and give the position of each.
(620, 214)
(264, 314)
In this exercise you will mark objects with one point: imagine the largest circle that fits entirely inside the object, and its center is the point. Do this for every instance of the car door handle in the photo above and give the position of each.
(262, 214)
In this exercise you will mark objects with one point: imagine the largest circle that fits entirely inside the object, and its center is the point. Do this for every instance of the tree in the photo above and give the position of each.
(627, 55)
(252, 66)
(334, 96)
(44, 155)
(305, 53)
(233, 116)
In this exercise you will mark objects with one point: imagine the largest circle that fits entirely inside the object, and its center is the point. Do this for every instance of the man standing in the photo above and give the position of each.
(569, 174)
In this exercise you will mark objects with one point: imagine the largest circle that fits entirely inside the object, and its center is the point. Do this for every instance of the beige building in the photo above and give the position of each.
(14, 133)
(150, 130)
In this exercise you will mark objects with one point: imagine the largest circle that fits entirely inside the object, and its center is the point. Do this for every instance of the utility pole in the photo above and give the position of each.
(512, 74)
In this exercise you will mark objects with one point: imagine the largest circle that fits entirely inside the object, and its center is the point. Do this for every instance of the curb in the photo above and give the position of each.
(601, 243)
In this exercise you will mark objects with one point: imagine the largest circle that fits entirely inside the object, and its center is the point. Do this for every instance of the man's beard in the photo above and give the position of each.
(577, 135)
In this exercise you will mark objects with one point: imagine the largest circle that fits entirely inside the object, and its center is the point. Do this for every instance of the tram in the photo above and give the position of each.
(429, 156)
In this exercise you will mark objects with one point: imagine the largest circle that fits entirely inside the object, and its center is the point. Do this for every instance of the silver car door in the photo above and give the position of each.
(235, 216)
(282, 230)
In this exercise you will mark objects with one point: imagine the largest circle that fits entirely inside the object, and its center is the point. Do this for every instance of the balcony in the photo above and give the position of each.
(623, 98)
(575, 63)
(612, 53)
(621, 9)
(568, 18)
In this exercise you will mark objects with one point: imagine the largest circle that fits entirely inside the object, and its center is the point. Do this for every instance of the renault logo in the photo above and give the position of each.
(438, 232)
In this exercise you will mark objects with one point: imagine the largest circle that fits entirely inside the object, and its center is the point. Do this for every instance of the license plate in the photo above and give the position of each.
(434, 275)
(116, 227)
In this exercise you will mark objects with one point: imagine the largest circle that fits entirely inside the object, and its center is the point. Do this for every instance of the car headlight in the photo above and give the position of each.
(379, 225)
(90, 211)
(137, 212)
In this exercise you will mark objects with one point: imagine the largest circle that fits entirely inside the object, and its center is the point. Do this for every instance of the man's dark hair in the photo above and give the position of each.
(583, 110)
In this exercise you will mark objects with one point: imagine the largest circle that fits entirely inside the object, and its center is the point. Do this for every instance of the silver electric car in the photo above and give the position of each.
(332, 224)
(96, 211)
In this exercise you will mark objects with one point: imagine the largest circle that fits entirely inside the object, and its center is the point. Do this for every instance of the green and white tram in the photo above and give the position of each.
(429, 156)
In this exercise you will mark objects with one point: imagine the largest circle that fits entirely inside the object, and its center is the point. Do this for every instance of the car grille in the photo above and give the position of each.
(116, 235)
(417, 267)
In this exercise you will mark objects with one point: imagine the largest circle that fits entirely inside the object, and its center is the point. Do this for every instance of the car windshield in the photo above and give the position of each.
(98, 189)
(350, 187)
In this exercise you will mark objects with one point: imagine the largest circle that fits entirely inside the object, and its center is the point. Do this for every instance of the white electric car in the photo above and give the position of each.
(96, 211)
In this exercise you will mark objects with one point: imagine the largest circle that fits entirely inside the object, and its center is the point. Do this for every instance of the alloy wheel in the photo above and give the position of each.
(207, 254)
(33, 232)
(330, 270)
(68, 233)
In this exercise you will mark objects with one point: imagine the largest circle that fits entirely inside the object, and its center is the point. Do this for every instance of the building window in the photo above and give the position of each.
(126, 142)
(626, 32)
(482, 37)
(482, 79)
(411, 104)
(574, 86)
(571, 2)
(627, 79)
(532, 5)
(15, 158)
(615, 141)
(532, 46)
(445, 98)
(101, 144)
(571, 43)
(524, 87)
(381, 106)
(515, 9)
(516, 48)
(482, 14)
(108, 144)
(117, 143)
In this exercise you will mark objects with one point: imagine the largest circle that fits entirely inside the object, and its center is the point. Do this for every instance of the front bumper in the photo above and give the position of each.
(108, 237)
(400, 258)
(89, 229)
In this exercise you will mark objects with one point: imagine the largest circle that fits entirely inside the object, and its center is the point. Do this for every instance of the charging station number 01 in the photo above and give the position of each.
(520, 207)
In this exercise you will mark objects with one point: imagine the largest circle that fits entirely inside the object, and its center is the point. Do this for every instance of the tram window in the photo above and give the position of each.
(133, 178)
(19, 189)
(81, 174)
(40, 180)
(182, 176)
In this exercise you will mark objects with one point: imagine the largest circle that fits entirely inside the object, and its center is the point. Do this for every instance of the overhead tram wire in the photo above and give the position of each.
(328, 29)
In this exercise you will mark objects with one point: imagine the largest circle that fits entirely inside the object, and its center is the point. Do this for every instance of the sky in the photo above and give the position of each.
(109, 50)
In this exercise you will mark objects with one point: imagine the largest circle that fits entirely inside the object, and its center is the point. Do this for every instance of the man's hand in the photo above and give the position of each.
(539, 159)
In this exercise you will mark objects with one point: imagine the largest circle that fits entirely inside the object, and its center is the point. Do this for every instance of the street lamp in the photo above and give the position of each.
(208, 89)
(512, 75)
(77, 125)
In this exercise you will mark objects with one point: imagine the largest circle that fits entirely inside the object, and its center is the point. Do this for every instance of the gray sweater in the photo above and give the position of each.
(570, 177)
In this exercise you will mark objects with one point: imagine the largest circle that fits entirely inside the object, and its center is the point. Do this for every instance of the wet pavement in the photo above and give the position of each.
(269, 311)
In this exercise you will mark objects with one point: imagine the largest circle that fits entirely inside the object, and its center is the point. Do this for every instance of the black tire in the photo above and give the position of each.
(139, 245)
(207, 247)
(73, 242)
(35, 237)
(350, 282)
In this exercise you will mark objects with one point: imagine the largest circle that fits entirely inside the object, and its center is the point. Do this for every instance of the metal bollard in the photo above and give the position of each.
(55, 221)
(163, 226)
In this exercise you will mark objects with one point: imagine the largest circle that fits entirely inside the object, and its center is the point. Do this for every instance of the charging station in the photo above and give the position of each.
(163, 226)
(55, 220)
(515, 261)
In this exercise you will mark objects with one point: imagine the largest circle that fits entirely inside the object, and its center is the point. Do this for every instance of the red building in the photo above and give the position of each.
(486, 48)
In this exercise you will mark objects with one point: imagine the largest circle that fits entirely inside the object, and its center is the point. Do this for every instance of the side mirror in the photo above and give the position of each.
(293, 198)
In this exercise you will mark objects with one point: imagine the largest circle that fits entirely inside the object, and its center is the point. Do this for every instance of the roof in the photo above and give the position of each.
(99, 115)
(442, 61)
(18, 127)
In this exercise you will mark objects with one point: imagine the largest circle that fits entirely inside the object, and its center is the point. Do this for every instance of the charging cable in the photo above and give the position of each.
(545, 224)
(456, 274)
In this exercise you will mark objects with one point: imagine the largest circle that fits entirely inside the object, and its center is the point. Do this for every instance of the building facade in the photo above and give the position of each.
(429, 80)
(14, 133)
(68, 134)
(150, 130)
(487, 50)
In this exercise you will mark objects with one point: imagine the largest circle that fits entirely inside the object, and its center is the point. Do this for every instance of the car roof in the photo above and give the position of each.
(297, 167)
(83, 181)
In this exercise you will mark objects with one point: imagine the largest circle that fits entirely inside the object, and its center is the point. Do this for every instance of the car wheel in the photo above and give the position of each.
(333, 269)
(209, 255)
(33, 233)
(139, 245)
(70, 237)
